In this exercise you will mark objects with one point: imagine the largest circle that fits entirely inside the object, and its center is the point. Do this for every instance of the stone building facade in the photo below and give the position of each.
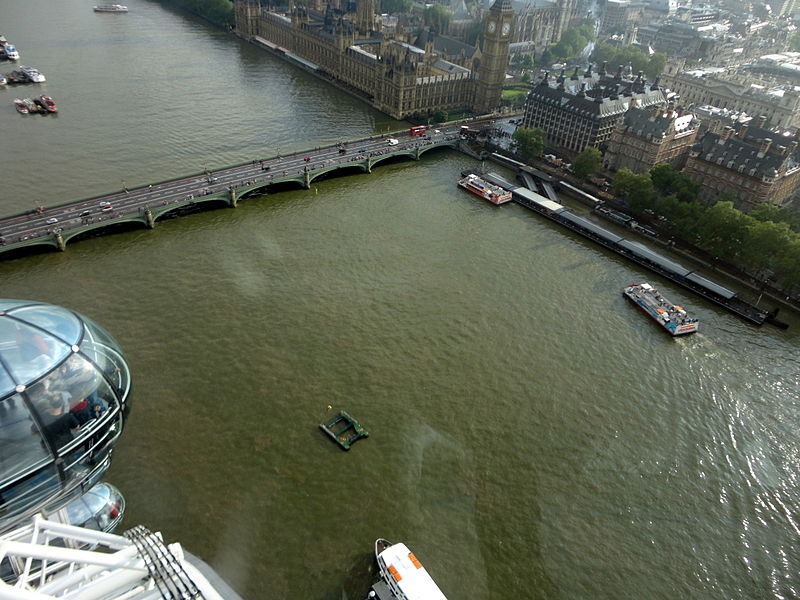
(736, 91)
(754, 165)
(583, 109)
(646, 138)
(541, 22)
(396, 76)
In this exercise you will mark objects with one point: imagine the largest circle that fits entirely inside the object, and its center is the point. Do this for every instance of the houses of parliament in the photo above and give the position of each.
(411, 72)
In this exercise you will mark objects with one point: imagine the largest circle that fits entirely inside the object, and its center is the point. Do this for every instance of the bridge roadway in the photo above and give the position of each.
(55, 226)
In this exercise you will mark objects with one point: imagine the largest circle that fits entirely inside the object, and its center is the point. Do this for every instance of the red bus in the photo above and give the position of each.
(417, 130)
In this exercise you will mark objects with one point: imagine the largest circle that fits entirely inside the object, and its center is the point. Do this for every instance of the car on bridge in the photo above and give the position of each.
(393, 142)
(52, 220)
(107, 208)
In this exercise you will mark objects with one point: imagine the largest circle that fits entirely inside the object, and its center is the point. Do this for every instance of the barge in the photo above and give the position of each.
(670, 316)
(344, 430)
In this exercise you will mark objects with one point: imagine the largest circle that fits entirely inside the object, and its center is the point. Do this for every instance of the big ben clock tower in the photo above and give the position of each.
(491, 73)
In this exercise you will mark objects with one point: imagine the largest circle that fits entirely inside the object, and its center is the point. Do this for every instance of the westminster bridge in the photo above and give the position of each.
(55, 226)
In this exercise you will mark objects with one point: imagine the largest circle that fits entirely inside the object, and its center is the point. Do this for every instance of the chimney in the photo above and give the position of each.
(760, 121)
(582, 92)
(792, 148)
(726, 134)
(764, 147)
(603, 69)
(742, 131)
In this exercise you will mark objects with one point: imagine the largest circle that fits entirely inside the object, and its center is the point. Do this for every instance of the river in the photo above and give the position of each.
(532, 434)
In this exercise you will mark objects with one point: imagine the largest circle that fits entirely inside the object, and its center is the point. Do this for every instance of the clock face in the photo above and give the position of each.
(492, 26)
(506, 28)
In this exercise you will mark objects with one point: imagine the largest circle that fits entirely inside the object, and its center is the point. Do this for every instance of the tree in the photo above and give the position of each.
(474, 33)
(603, 52)
(629, 185)
(437, 16)
(655, 66)
(794, 42)
(216, 11)
(396, 6)
(529, 142)
(587, 162)
(764, 242)
(439, 116)
(663, 177)
(722, 230)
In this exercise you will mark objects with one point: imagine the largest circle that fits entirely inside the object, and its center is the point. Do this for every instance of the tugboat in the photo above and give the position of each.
(670, 316)
(48, 103)
(21, 107)
(402, 576)
(483, 189)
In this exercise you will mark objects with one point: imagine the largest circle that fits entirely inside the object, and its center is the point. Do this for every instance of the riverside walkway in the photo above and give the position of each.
(55, 226)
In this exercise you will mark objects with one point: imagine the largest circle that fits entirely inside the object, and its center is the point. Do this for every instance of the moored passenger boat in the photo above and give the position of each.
(21, 107)
(115, 8)
(32, 73)
(670, 316)
(402, 576)
(31, 105)
(11, 52)
(48, 103)
(483, 189)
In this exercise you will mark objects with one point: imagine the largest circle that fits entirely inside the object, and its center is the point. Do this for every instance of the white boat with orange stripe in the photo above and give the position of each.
(402, 576)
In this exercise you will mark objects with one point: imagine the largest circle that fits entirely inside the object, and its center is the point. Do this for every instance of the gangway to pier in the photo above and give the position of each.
(549, 191)
(528, 181)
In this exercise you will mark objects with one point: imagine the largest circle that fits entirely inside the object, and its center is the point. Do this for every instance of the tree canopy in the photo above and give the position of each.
(573, 41)
(587, 162)
(794, 42)
(761, 243)
(529, 142)
(395, 6)
(437, 16)
(219, 12)
(634, 56)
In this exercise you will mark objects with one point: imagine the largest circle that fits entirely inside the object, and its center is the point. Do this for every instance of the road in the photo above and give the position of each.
(43, 222)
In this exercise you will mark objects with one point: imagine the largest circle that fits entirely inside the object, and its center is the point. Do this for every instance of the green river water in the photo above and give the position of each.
(532, 434)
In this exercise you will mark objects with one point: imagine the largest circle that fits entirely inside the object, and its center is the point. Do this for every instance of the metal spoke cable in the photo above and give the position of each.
(163, 566)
